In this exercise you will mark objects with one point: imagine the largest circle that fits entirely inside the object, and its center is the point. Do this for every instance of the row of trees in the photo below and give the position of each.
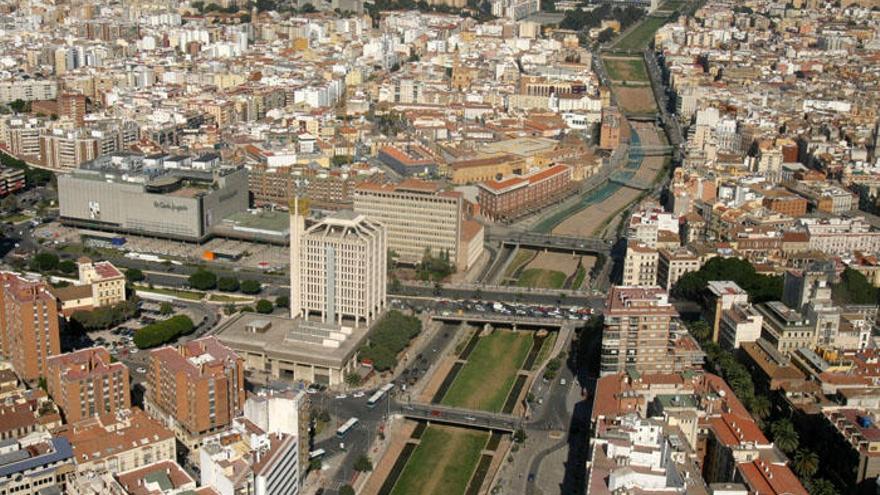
(163, 332)
(435, 268)
(107, 316)
(33, 176)
(203, 279)
(854, 288)
(390, 336)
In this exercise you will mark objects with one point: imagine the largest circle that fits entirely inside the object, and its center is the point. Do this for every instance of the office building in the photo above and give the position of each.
(87, 382)
(195, 389)
(245, 460)
(636, 333)
(28, 90)
(510, 197)
(28, 325)
(117, 442)
(37, 465)
(418, 217)
(338, 268)
(122, 196)
(640, 265)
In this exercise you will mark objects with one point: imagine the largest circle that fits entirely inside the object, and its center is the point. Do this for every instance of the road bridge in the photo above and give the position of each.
(471, 418)
(575, 244)
(651, 150)
(630, 182)
(502, 319)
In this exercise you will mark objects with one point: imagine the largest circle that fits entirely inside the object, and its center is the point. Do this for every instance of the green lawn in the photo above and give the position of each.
(632, 70)
(443, 463)
(229, 299)
(183, 294)
(522, 257)
(16, 218)
(579, 277)
(639, 37)
(487, 377)
(546, 349)
(543, 279)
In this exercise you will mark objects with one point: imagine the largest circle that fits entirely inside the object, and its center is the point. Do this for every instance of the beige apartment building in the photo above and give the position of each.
(673, 264)
(640, 265)
(418, 216)
(338, 268)
(28, 325)
(636, 333)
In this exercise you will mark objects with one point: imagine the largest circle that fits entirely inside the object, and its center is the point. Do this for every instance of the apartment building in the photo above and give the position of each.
(610, 130)
(195, 389)
(117, 442)
(723, 294)
(418, 216)
(850, 441)
(11, 180)
(636, 333)
(28, 325)
(739, 324)
(285, 412)
(73, 107)
(338, 268)
(640, 265)
(28, 90)
(245, 460)
(66, 150)
(511, 197)
(37, 465)
(87, 382)
(674, 264)
(785, 328)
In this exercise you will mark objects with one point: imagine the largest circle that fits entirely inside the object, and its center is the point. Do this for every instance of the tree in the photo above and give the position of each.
(363, 464)
(10, 204)
(203, 279)
(519, 436)
(41, 383)
(308, 9)
(134, 275)
(353, 379)
(396, 286)
(44, 262)
(818, 486)
(282, 302)
(606, 35)
(67, 266)
(854, 288)
(166, 308)
(346, 490)
(250, 287)
(760, 406)
(198, 5)
(340, 160)
(806, 463)
(761, 288)
(784, 435)
(162, 332)
(315, 465)
(264, 306)
(228, 284)
(19, 106)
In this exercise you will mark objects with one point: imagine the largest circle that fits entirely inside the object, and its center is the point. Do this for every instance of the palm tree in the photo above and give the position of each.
(821, 486)
(760, 406)
(785, 436)
(806, 463)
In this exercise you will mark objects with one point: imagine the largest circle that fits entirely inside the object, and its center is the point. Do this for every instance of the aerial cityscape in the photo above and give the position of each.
(440, 247)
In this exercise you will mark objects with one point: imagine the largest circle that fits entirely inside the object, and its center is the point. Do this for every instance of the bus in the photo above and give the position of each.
(344, 429)
(316, 454)
(376, 397)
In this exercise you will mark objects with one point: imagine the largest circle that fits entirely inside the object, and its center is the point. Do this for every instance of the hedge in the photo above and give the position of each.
(163, 332)
(390, 336)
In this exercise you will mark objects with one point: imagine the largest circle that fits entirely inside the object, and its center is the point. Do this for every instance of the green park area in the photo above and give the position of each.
(541, 279)
(486, 379)
(443, 463)
(641, 35)
(626, 69)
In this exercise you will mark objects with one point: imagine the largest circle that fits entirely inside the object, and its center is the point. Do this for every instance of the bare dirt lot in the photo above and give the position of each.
(635, 99)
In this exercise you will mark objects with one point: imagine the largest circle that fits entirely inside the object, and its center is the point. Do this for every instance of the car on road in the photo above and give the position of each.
(470, 418)
(141, 370)
(342, 396)
(562, 382)
(358, 394)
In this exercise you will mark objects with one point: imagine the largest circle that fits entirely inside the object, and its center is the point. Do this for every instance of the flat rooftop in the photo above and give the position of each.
(303, 341)
(270, 221)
